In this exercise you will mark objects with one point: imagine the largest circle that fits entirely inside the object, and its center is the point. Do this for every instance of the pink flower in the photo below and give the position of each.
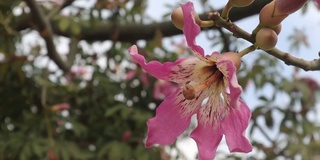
(77, 72)
(209, 89)
(317, 3)
(60, 107)
(143, 76)
(163, 89)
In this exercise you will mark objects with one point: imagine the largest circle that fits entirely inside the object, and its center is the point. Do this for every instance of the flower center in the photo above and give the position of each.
(190, 91)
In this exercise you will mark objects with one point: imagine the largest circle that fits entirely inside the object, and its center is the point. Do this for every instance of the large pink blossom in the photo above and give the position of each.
(209, 89)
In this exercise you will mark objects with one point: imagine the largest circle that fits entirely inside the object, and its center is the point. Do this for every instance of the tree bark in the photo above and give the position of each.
(100, 31)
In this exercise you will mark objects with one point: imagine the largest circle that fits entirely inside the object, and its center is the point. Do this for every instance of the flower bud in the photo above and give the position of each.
(240, 3)
(277, 28)
(286, 7)
(234, 57)
(177, 19)
(266, 38)
(267, 16)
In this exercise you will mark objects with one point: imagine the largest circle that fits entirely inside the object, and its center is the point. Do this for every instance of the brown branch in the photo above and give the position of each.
(45, 31)
(56, 10)
(73, 50)
(284, 56)
(99, 30)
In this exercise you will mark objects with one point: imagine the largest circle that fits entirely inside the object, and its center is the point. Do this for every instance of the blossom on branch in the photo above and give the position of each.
(209, 89)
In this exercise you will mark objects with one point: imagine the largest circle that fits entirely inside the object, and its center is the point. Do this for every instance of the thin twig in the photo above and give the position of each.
(264, 133)
(45, 110)
(73, 48)
(289, 59)
(54, 11)
(45, 31)
(104, 30)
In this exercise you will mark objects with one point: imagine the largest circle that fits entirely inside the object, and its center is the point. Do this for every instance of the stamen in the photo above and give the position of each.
(189, 91)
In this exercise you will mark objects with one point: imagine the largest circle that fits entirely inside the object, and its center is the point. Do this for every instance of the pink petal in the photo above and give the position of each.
(191, 29)
(170, 120)
(317, 3)
(284, 7)
(234, 125)
(144, 78)
(163, 89)
(229, 72)
(180, 71)
(157, 91)
(207, 138)
(131, 74)
(208, 133)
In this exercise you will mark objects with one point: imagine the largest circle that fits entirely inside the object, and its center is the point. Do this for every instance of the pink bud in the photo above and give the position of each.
(126, 135)
(266, 38)
(267, 16)
(234, 57)
(285, 7)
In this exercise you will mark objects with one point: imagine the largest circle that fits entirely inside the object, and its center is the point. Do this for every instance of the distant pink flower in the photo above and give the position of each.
(79, 71)
(60, 107)
(76, 72)
(209, 89)
(317, 3)
(163, 89)
(138, 72)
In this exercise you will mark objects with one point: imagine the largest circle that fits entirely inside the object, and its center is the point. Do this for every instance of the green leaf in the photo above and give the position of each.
(3, 70)
(141, 153)
(26, 151)
(113, 110)
(64, 24)
(115, 150)
(39, 147)
(75, 28)
(79, 129)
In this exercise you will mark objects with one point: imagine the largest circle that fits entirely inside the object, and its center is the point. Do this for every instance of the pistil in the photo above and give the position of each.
(190, 91)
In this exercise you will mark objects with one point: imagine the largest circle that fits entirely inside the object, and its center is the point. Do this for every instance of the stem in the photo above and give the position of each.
(46, 116)
(226, 10)
(208, 23)
(287, 58)
(256, 30)
(264, 133)
(46, 32)
(247, 50)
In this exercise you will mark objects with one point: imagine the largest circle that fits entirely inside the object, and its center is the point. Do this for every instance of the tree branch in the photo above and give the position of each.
(284, 56)
(56, 10)
(45, 31)
(133, 32)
